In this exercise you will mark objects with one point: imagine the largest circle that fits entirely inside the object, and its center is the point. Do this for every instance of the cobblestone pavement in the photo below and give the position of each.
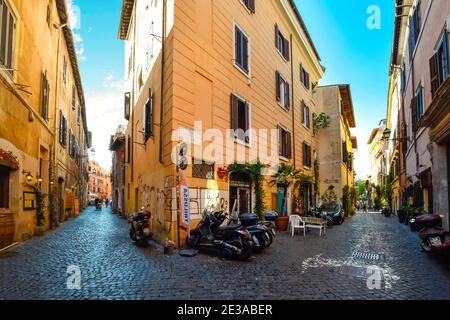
(314, 267)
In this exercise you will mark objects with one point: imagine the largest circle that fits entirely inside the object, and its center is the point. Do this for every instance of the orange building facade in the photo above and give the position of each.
(193, 66)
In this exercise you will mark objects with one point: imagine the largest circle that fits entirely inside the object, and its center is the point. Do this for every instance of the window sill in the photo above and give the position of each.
(242, 143)
(246, 8)
(245, 73)
(283, 107)
(284, 159)
(281, 55)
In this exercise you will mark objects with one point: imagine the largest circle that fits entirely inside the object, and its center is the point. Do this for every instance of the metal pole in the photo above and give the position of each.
(178, 197)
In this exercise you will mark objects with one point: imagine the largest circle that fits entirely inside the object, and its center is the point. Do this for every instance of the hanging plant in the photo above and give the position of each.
(322, 121)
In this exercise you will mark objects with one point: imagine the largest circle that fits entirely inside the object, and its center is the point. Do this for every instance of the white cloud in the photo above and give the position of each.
(105, 114)
(75, 24)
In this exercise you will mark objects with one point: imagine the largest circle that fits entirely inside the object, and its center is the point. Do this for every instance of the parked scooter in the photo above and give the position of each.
(432, 234)
(232, 241)
(140, 227)
(262, 232)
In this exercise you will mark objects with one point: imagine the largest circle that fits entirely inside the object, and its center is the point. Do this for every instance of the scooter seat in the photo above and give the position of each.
(229, 227)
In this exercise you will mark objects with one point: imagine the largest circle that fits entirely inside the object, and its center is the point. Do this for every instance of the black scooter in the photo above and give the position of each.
(262, 232)
(431, 233)
(232, 241)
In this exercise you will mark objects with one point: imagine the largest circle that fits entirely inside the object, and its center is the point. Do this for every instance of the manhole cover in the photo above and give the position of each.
(366, 256)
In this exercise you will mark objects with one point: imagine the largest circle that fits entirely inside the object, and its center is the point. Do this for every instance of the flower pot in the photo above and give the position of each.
(282, 223)
(401, 216)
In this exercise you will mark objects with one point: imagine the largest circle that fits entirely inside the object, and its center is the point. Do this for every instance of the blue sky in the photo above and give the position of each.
(350, 51)
(354, 54)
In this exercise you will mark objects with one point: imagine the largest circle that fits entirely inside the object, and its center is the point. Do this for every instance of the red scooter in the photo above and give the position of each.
(432, 234)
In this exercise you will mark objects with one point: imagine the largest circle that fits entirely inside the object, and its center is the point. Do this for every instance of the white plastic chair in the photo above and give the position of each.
(296, 222)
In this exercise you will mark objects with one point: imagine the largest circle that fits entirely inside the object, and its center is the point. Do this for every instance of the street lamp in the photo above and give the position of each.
(387, 134)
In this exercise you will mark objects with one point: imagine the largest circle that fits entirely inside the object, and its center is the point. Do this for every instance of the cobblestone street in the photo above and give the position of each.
(112, 267)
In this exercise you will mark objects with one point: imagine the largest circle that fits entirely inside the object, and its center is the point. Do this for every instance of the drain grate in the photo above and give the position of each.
(366, 256)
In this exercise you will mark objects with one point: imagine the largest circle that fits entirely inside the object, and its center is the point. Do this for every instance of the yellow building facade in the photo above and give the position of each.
(193, 66)
(43, 131)
(336, 144)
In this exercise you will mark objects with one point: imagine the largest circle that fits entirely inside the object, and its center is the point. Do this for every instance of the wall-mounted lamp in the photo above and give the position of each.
(39, 179)
(28, 175)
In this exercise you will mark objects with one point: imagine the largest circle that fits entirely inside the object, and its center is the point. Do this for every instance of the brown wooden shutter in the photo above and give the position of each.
(287, 95)
(247, 122)
(278, 82)
(61, 126)
(277, 32)
(286, 49)
(251, 5)
(434, 75)
(234, 112)
(280, 141)
(288, 145)
(414, 114)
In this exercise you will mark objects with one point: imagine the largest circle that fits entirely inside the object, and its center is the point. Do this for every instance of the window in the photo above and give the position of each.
(284, 143)
(7, 34)
(439, 64)
(306, 149)
(127, 106)
(4, 187)
(281, 43)
(241, 52)
(202, 170)
(250, 5)
(45, 96)
(148, 117)
(282, 91)
(414, 30)
(240, 118)
(71, 143)
(403, 79)
(29, 201)
(74, 97)
(49, 17)
(64, 69)
(304, 77)
(344, 152)
(129, 150)
(417, 109)
(306, 116)
(62, 129)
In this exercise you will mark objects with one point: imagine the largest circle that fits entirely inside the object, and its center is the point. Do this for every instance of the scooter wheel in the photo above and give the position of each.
(246, 250)
(269, 239)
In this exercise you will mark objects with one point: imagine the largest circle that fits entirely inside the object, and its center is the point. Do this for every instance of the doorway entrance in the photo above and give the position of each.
(240, 194)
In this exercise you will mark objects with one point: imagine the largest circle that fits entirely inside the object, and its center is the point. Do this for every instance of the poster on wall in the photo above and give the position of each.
(185, 205)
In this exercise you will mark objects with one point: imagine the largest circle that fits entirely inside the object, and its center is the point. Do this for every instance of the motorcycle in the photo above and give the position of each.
(262, 232)
(432, 234)
(140, 227)
(232, 241)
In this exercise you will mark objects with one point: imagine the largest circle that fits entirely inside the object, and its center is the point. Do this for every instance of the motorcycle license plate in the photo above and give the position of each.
(255, 240)
(435, 241)
(146, 231)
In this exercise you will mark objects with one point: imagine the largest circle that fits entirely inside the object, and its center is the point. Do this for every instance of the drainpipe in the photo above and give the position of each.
(293, 102)
(163, 60)
(133, 93)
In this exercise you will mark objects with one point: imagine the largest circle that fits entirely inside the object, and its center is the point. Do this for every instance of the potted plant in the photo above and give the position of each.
(286, 176)
(40, 210)
(401, 214)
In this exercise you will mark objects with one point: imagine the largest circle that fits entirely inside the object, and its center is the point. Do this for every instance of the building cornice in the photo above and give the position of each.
(302, 32)
(68, 36)
(125, 18)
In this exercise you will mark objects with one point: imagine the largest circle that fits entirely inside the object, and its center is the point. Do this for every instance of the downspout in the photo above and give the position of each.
(293, 102)
(55, 115)
(133, 93)
(163, 60)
